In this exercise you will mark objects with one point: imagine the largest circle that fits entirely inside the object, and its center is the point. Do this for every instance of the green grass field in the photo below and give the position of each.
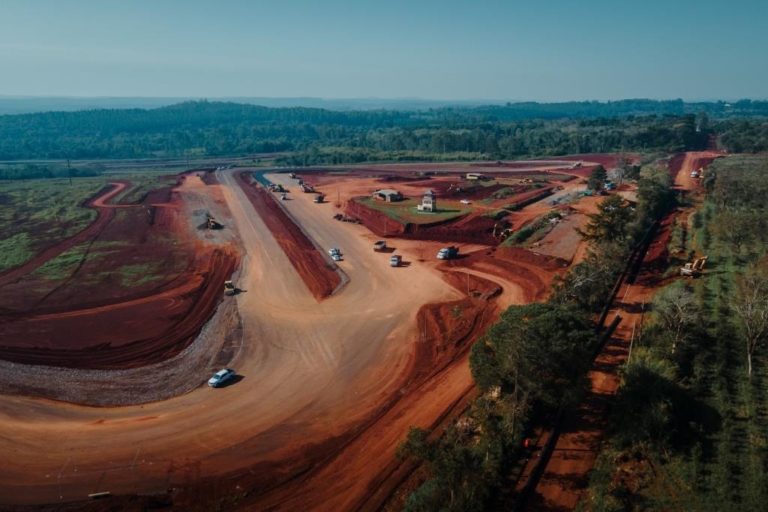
(406, 212)
(37, 213)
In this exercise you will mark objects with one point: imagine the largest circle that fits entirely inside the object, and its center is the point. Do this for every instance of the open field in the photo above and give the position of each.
(327, 388)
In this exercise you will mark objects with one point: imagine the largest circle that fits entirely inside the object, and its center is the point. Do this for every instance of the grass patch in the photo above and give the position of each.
(62, 266)
(405, 211)
(138, 274)
(15, 250)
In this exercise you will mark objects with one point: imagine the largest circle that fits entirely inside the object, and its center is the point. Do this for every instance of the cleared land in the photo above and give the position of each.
(326, 389)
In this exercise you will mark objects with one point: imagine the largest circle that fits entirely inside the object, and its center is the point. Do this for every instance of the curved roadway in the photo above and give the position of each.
(311, 371)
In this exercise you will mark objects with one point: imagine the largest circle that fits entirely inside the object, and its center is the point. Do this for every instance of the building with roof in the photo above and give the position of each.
(388, 195)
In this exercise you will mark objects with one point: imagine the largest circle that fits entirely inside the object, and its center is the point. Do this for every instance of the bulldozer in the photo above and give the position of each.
(693, 268)
(230, 289)
(213, 224)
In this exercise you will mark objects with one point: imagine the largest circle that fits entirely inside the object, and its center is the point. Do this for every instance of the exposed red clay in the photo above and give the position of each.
(316, 273)
(112, 326)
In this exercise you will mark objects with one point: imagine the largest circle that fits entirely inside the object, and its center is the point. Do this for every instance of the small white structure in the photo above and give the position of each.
(428, 202)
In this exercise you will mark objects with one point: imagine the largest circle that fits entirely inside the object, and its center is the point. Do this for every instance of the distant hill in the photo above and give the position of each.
(31, 105)
(318, 135)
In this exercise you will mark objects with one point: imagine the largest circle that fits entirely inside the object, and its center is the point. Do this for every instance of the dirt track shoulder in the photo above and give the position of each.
(213, 348)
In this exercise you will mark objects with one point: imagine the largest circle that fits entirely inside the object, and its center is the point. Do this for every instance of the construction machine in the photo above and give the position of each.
(230, 289)
(213, 224)
(693, 268)
(319, 198)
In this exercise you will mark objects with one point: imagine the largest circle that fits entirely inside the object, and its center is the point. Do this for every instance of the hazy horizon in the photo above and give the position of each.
(438, 50)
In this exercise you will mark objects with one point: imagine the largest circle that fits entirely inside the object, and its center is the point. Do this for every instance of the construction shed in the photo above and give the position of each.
(388, 195)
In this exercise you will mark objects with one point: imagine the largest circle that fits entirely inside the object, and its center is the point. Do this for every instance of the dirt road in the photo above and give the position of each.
(310, 372)
(567, 471)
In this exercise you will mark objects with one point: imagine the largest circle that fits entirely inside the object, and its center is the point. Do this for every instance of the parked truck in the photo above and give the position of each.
(448, 253)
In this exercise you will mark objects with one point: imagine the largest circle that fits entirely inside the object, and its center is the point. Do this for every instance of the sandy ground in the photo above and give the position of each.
(325, 392)
(314, 369)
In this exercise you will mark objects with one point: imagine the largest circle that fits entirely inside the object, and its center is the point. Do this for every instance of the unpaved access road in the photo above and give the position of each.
(310, 372)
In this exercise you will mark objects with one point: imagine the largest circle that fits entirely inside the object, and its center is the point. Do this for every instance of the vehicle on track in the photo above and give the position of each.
(448, 253)
(221, 377)
(380, 245)
(395, 260)
(336, 257)
(334, 250)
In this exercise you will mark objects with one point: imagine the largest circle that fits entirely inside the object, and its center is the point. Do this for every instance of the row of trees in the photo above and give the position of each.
(692, 395)
(532, 363)
(317, 136)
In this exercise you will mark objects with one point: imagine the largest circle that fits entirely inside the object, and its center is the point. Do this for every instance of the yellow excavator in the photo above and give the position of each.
(693, 268)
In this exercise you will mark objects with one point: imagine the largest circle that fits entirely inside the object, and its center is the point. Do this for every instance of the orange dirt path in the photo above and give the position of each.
(566, 473)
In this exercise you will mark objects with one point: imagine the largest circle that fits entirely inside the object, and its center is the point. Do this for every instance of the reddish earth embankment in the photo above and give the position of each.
(532, 272)
(474, 230)
(124, 334)
(320, 277)
(136, 289)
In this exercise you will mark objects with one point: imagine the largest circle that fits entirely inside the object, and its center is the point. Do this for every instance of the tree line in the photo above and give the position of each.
(692, 401)
(317, 136)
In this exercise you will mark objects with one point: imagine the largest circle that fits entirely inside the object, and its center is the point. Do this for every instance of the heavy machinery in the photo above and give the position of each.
(500, 232)
(395, 260)
(380, 246)
(319, 198)
(211, 223)
(230, 289)
(694, 268)
(448, 253)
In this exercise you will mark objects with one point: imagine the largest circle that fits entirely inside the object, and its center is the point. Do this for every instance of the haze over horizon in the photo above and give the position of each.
(444, 51)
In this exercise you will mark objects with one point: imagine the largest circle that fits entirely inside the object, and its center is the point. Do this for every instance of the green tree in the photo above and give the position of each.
(597, 178)
(610, 223)
(751, 308)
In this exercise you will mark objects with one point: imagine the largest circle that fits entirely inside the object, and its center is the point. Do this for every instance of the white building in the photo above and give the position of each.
(428, 202)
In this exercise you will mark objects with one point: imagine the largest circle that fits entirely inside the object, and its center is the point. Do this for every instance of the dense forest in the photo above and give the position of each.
(313, 136)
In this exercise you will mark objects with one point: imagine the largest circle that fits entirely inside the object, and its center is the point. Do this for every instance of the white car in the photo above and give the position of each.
(221, 377)
(334, 250)
(336, 256)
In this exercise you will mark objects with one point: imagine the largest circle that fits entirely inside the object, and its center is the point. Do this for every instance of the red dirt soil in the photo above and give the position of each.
(532, 272)
(106, 324)
(125, 334)
(315, 271)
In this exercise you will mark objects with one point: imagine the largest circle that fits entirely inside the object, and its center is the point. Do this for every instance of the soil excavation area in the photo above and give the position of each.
(127, 297)
(326, 389)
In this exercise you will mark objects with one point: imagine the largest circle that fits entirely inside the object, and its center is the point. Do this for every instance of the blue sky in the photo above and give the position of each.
(534, 50)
